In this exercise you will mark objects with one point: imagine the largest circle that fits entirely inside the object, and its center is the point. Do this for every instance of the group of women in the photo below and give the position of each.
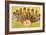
(26, 14)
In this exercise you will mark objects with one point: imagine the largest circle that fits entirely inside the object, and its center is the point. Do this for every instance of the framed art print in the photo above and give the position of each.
(24, 17)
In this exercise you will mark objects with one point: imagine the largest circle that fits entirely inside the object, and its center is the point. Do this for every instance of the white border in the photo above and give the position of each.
(24, 29)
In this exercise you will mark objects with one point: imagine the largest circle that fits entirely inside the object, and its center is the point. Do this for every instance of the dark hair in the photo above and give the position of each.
(16, 10)
(13, 13)
(36, 11)
(28, 9)
(24, 8)
(39, 14)
(32, 10)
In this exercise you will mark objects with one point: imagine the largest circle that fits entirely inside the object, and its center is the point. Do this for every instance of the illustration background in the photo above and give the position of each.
(16, 24)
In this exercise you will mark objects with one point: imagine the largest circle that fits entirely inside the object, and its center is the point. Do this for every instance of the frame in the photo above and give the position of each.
(11, 5)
